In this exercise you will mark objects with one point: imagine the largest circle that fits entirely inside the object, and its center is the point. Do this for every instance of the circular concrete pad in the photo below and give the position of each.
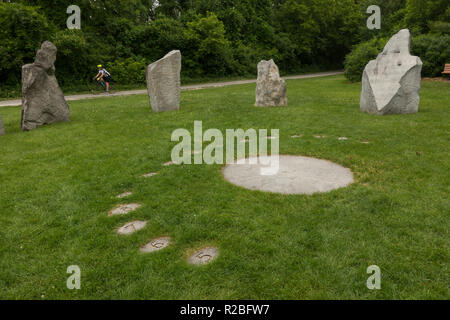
(296, 175)
(204, 256)
(131, 227)
(156, 244)
(124, 209)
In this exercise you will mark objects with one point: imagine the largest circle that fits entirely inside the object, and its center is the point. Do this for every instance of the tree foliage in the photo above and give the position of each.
(216, 37)
(22, 31)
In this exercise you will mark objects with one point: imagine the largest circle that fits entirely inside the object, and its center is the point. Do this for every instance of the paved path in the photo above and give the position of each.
(9, 103)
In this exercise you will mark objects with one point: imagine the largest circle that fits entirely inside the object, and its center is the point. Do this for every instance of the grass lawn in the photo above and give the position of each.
(58, 183)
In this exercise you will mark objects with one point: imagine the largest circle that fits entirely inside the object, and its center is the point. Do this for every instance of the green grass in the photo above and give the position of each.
(58, 183)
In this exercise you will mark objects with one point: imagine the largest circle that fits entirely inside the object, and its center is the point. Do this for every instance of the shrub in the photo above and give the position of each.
(434, 50)
(128, 71)
(356, 61)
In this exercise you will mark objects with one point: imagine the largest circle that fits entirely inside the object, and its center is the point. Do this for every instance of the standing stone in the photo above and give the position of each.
(42, 99)
(163, 82)
(2, 130)
(270, 88)
(391, 83)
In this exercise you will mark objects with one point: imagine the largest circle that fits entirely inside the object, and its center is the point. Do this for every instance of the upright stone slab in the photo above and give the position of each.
(391, 83)
(270, 88)
(42, 99)
(163, 82)
(2, 130)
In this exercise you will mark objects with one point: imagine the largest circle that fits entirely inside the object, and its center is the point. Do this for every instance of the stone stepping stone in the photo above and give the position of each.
(204, 256)
(131, 227)
(168, 163)
(295, 175)
(124, 195)
(124, 209)
(365, 142)
(151, 174)
(319, 137)
(156, 245)
(342, 138)
(296, 136)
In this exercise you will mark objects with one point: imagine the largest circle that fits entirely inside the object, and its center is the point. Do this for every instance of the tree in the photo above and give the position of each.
(207, 50)
(22, 31)
(420, 13)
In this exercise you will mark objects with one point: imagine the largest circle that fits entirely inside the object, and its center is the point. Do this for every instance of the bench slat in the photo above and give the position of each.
(446, 69)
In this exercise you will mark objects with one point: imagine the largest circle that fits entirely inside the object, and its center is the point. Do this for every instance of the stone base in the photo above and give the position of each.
(296, 175)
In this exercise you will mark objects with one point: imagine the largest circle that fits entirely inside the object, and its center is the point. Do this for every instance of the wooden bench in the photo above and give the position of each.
(446, 69)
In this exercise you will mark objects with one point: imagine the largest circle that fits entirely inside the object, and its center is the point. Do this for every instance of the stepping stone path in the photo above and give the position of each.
(131, 227)
(204, 256)
(124, 195)
(296, 175)
(124, 209)
(342, 138)
(156, 245)
(148, 175)
(201, 257)
(296, 136)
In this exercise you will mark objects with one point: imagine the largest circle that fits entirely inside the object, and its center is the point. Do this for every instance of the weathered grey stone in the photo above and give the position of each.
(163, 82)
(42, 99)
(391, 83)
(131, 227)
(270, 88)
(2, 130)
(149, 175)
(124, 209)
(124, 195)
(156, 245)
(204, 256)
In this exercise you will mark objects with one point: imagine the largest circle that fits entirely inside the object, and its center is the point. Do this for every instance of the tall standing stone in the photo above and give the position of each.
(163, 82)
(391, 83)
(2, 130)
(270, 88)
(42, 99)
